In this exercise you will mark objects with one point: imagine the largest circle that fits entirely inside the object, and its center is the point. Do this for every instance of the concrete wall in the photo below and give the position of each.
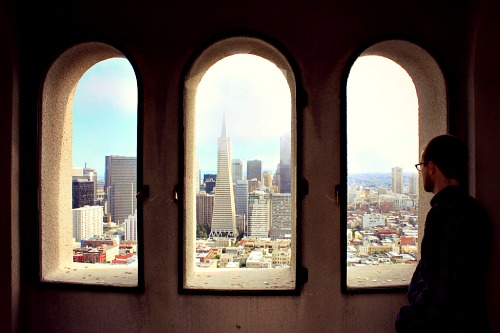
(321, 38)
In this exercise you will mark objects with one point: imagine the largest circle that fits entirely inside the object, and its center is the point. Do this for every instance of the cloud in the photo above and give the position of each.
(108, 84)
(254, 96)
(382, 117)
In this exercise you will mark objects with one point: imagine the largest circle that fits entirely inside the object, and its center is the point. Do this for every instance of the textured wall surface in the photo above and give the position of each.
(321, 39)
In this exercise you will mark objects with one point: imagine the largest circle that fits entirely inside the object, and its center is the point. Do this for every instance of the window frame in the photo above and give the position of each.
(433, 117)
(202, 60)
(56, 100)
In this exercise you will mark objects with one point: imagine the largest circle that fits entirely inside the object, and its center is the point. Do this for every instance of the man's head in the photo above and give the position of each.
(445, 161)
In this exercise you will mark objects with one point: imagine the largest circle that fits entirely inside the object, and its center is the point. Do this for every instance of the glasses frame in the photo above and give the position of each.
(419, 166)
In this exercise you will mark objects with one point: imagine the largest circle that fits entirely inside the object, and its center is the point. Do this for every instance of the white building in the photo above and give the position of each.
(131, 227)
(373, 220)
(256, 259)
(87, 222)
(397, 180)
(237, 170)
(402, 201)
(258, 215)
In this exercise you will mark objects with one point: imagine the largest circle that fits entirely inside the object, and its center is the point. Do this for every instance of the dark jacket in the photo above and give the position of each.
(447, 290)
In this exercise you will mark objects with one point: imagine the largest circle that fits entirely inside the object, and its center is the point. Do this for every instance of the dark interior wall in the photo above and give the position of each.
(485, 124)
(9, 169)
(160, 40)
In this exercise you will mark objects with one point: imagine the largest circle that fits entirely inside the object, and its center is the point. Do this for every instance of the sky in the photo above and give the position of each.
(105, 114)
(253, 94)
(255, 98)
(382, 117)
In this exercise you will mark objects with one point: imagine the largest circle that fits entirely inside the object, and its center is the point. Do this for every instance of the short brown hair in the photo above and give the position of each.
(450, 154)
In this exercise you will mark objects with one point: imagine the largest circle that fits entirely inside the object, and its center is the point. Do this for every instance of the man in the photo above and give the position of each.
(446, 292)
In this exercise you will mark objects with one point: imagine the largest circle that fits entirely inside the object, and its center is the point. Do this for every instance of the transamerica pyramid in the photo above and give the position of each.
(224, 217)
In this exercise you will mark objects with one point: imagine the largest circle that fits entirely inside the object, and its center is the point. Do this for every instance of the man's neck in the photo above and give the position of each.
(442, 183)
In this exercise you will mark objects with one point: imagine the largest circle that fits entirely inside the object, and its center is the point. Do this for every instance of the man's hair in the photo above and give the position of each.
(450, 154)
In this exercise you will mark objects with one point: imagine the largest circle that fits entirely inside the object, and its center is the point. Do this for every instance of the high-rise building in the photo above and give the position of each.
(285, 160)
(88, 175)
(209, 185)
(242, 197)
(397, 180)
(100, 194)
(87, 222)
(241, 224)
(413, 183)
(121, 186)
(237, 170)
(224, 217)
(131, 227)
(267, 179)
(253, 185)
(204, 208)
(254, 170)
(208, 176)
(258, 214)
(83, 193)
(281, 215)
(91, 175)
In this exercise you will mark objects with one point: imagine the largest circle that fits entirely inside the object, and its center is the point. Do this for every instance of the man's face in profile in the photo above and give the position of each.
(426, 176)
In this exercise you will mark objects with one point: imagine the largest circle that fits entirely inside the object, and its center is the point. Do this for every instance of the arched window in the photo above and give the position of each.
(240, 169)
(396, 102)
(88, 169)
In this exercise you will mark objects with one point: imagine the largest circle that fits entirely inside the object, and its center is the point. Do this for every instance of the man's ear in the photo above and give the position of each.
(432, 167)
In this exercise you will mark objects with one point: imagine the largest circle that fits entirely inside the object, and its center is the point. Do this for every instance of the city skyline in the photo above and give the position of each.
(254, 95)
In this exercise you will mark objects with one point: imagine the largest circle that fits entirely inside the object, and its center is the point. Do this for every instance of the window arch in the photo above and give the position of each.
(223, 53)
(430, 90)
(57, 220)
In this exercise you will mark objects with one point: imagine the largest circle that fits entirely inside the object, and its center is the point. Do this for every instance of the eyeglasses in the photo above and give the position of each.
(420, 165)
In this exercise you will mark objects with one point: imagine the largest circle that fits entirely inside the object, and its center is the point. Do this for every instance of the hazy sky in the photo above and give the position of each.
(254, 95)
(382, 117)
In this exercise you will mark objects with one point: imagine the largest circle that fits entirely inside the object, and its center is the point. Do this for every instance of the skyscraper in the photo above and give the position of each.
(204, 208)
(85, 174)
(413, 183)
(254, 170)
(242, 197)
(267, 179)
(83, 193)
(285, 160)
(131, 227)
(258, 214)
(223, 220)
(281, 215)
(121, 186)
(237, 170)
(397, 180)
